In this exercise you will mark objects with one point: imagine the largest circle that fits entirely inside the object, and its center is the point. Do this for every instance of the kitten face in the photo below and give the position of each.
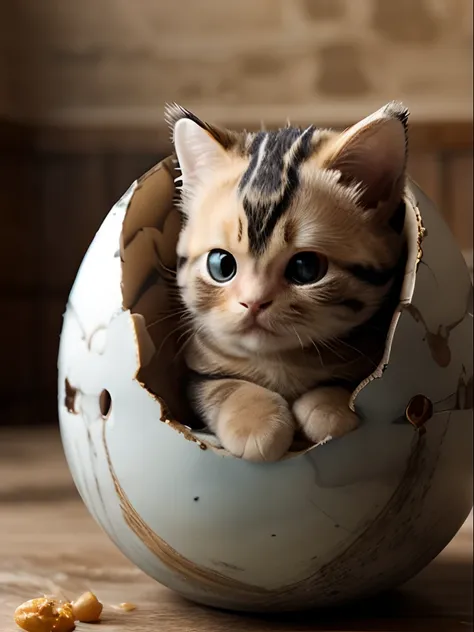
(288, 239)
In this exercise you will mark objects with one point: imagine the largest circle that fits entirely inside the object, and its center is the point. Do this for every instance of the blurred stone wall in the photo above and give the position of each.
(118, 61)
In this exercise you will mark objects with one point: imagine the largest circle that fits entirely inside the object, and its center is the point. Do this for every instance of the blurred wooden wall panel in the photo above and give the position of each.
(124, 168)
(20, 217)
(77, 191)
(426, 168)
(73, 201)
(459, 196)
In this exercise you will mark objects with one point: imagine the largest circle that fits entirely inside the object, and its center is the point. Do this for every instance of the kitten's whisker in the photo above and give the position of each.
(185, 333)
(180, 313)
(332, 350)
(363, 355)
(186, 342)
(318, 351)
(346, 344)
(161, 266)
(171, 333)
(299, 339)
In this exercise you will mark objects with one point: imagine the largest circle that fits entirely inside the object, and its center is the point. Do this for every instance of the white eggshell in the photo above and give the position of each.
(343, 520)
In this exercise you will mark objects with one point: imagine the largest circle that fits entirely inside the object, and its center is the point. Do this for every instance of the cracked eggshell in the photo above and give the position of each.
(340, 521)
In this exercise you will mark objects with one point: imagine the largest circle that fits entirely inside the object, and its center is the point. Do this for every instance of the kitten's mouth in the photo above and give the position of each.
(255, 328)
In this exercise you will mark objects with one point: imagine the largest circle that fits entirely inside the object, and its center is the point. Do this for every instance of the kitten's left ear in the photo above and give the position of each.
(200, 148)
(373, 154)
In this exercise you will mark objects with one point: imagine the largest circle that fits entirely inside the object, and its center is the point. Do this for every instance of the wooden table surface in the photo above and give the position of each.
(49, 544)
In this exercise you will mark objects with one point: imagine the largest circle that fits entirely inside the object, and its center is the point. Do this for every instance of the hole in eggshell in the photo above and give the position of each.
(105, 403)
(419, 410)
(148, 258)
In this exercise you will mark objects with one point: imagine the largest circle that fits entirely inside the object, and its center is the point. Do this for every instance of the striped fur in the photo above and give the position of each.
(270, 181)
(267, 355)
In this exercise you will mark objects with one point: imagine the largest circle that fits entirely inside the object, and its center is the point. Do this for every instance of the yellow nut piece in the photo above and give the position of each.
(87, 608)
(45, 615)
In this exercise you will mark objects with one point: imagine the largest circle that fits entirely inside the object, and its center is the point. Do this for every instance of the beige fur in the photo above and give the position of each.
(260, 377)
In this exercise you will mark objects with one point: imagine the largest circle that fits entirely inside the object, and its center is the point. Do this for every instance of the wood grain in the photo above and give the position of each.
(49, 544)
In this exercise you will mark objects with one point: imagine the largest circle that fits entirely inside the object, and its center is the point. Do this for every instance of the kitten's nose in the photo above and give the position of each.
(256, 306)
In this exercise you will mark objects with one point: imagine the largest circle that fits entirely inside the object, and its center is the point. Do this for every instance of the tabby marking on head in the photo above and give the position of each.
(290, 251)
(271, 180)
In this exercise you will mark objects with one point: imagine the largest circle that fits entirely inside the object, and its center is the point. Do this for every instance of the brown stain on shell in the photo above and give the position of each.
(464, 392)
(169, 556)
(438, 342)
(421, 234)
(405, 502)
(182, 430)
(395, 524)
(70, 397)
(167, 419)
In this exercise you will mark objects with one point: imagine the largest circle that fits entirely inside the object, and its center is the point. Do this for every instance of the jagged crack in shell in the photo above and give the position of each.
(150, 232)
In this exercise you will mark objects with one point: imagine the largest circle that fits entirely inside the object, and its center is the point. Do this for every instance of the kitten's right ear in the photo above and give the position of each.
(198, 147)
(373, 154)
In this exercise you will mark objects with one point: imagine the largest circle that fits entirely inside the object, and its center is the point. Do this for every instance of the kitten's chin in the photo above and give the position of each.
(255, 341)
(259, 341)
(245, 344)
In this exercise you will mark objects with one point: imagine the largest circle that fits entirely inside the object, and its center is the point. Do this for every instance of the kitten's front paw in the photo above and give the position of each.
(255, 424)
(324, 414)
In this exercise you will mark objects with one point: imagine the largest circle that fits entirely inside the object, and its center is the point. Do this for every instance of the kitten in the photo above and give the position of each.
(288, 256)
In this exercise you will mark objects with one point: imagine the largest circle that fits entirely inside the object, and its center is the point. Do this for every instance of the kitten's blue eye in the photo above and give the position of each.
(221, 265)
(305, 268)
